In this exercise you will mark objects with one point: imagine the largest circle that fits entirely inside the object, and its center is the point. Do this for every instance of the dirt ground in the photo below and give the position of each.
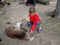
(50, 34)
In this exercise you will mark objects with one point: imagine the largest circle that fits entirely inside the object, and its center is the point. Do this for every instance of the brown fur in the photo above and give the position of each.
(12, 32)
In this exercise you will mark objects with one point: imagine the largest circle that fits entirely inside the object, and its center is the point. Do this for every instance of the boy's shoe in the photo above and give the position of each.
(39, 30)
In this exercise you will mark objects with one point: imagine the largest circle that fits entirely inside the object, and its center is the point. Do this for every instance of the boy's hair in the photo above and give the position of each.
(32, 9)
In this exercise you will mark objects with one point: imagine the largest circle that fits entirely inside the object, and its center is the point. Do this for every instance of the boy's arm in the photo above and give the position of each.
(34, 24)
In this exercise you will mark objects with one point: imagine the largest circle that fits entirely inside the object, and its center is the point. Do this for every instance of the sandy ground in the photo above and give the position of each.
(50, 34)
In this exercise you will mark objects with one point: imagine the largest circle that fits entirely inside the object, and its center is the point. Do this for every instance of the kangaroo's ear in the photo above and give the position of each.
(8, 22)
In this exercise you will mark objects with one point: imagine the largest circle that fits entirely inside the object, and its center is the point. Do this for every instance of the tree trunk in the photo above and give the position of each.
(57, 11)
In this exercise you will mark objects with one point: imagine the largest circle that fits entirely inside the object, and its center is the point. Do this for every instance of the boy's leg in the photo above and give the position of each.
(38, 26)
(29, 23)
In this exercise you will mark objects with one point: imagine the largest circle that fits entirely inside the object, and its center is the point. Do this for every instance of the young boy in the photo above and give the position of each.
(35, 20)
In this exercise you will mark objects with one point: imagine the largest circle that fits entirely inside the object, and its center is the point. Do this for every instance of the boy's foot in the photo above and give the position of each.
(39, 30)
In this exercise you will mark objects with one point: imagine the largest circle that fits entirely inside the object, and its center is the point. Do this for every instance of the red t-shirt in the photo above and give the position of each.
(35, 18)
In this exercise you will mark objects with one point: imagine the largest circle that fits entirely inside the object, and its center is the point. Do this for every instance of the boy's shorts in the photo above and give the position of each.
(31, 23)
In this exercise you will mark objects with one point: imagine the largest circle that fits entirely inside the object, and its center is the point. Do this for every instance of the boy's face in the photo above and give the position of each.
(31, 14)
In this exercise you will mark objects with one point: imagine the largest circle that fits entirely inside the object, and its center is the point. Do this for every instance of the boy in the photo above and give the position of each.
(34, 20)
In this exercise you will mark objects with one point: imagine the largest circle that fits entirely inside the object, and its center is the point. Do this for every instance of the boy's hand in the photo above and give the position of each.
(27, 20)
(31, 32)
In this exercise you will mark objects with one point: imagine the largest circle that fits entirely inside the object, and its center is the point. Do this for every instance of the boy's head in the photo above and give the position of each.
(32, 9)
